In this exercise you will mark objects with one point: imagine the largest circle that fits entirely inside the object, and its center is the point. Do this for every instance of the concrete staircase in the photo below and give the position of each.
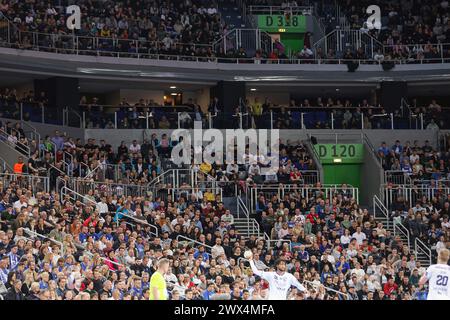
(247, 227)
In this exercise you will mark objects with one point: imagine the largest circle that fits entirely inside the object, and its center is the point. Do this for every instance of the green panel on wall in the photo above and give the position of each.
(342, 173)
(293, 42)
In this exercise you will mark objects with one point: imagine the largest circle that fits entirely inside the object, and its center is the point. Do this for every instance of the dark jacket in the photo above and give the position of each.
(13, 295)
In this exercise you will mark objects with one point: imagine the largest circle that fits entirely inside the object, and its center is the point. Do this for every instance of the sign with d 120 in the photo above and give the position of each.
(347, 153)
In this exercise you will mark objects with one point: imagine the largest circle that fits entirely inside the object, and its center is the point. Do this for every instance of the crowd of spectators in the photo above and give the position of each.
(140, 162)
(188, 29)
(417, 190)
(326, 238)
(421, 163)
(103, 254)
(316, 113)
(159, 26)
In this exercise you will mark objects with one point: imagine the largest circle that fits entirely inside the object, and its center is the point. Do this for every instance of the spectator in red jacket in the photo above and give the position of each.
(390, 287)
(312, 216)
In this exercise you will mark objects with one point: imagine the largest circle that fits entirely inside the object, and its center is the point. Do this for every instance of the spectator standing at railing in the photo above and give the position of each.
(58, 140)
(19, 167)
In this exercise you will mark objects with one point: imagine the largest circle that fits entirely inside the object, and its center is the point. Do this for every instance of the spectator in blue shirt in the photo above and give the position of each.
(383, 151)
(397, 148)
(83, 234)
(209, 292)
(342, 265)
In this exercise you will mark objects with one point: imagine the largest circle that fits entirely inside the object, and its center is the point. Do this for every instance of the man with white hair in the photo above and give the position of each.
(437, 275)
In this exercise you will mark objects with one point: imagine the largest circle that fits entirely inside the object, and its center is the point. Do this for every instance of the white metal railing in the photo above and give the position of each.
(65, 191)
(378, 206)
(188, 191)
(396, 177)
(14, 143)
(272, 10)
(250, 40)
(315, 285)
(339, 40)
(411, 194)
(253, 226)
(300, 117)
(82, 186)
(174, 178)
(242, 208)
(34, 134)
(187, 239)
(423, 249)
(11, 36)
(104, 259)
(5, 166)
(37, 183)
(35, 234)
(91, 172)
(399, 228)
(307, 192)
(143, 222)
(216, 60)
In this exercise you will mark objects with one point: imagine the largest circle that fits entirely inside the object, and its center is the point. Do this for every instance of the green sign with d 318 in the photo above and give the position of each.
(340, 153)
(280, 23)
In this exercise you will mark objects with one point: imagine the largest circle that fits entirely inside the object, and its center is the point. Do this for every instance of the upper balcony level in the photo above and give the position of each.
(142, 60)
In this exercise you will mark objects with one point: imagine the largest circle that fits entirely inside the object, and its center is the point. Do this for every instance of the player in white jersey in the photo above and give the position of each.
(280, 281)
(438, 276)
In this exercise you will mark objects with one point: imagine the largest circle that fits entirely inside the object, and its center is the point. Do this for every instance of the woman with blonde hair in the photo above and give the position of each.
(27, 282)
(52, 289)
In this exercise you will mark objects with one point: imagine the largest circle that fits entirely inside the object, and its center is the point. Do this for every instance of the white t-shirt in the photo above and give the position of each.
(278, 284)
(413, 158)
(135, 148)
(359, 237)
(19, 205)
(345, 239)
(439, 287)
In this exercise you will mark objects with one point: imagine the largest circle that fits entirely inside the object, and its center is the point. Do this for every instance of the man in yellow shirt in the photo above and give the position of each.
(257, 108)
(158, 288)
(205, 167)
(257, 111)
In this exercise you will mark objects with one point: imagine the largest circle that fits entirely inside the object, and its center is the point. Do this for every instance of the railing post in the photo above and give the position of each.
(84, 120)
(210, 120)
(362, 121)
(301, 120)
(9, 32)
(115, 119)
(238, 209)
(421, 121)
(271, 119)
(146, 120)
(332, 120)
(43, 115)
(178, 118)
(392, 121)
(21, 110)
